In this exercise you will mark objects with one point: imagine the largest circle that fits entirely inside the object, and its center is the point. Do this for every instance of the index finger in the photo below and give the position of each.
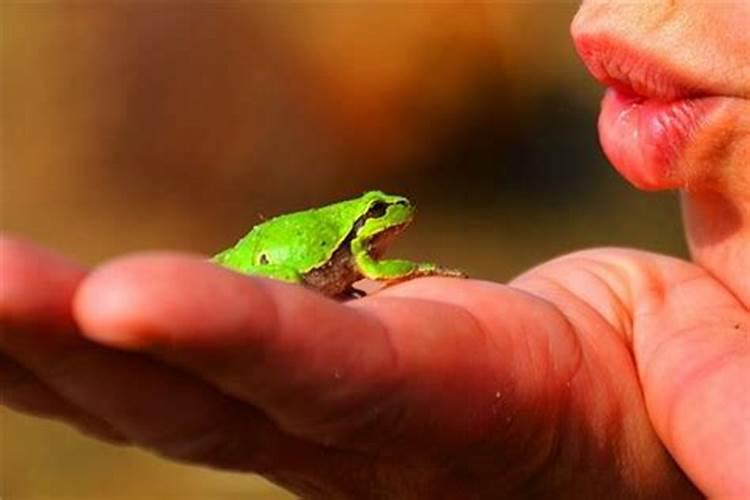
(261, 341)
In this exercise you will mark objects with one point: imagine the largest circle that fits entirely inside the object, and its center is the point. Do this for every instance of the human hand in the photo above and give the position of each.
(569, 382)
(585, 377)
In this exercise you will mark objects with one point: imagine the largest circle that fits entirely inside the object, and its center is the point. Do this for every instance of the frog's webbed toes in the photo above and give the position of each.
(452, 273)
(424, 270)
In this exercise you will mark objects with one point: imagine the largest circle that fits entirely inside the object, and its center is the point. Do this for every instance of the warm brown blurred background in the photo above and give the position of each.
(152, 124)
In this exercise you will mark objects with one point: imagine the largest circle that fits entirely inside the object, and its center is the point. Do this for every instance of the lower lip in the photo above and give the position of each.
(645, 138)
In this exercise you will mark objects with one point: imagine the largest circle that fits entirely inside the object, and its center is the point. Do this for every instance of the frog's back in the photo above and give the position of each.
(300, 241)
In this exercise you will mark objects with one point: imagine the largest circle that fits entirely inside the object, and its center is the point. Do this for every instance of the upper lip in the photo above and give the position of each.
(619, 65)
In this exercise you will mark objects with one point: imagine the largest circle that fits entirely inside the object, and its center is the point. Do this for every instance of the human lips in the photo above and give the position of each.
(649, 114)
(617, 64)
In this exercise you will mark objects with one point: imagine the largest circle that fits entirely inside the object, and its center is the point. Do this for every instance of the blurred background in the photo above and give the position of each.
(152, 124)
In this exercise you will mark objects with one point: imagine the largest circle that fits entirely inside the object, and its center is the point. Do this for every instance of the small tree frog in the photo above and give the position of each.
(332, 247)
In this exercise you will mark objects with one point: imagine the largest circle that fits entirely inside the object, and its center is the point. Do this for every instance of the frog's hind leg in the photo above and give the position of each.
(274, 271)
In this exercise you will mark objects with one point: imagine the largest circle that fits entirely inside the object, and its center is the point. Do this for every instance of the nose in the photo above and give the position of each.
(623, 19)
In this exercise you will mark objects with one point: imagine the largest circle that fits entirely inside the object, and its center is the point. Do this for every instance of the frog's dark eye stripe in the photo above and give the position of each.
(377, 209)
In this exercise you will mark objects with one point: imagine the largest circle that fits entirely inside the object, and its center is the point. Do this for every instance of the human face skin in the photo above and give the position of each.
(676, 113)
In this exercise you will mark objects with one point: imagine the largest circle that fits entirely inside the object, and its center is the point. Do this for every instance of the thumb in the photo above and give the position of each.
(692, 346)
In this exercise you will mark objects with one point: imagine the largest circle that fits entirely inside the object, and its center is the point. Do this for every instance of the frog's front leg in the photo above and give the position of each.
(394, 269)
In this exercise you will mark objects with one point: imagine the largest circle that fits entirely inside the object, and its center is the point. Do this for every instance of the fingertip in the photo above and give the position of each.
(160, 298)
(102, 303)
(36, 284)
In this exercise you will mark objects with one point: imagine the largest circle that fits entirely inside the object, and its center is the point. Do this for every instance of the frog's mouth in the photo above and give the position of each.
(379, 243)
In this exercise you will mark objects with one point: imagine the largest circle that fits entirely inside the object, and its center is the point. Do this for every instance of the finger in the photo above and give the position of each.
(694, 358)
(22, 391)
(173, 414)
(178, 420)
(158, 407)
(691, 362)
(264, 342)
(36, 286)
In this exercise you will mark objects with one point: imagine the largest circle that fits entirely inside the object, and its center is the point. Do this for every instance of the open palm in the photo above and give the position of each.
(581, 378)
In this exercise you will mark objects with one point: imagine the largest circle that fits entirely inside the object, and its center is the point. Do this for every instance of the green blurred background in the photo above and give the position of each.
(151, 124)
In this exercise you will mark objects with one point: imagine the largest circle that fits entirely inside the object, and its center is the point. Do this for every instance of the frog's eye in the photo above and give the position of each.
(377, 209)
(263, 259)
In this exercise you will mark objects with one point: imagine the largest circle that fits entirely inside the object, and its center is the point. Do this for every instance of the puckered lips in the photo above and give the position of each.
(650, 112)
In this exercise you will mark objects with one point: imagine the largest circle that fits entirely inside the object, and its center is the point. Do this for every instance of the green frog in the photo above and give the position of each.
(332, 247)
